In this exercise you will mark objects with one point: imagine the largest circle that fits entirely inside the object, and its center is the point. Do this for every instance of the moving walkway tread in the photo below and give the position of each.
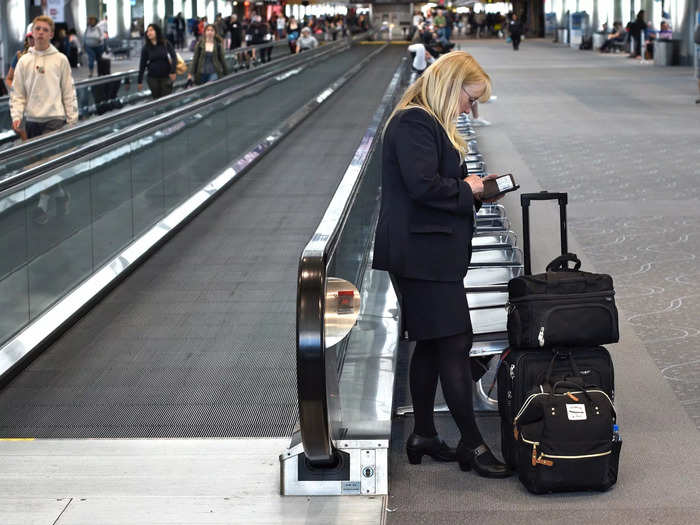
(199, 340)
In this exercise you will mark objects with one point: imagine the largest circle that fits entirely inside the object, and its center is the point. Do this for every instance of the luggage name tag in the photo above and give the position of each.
(576, 412)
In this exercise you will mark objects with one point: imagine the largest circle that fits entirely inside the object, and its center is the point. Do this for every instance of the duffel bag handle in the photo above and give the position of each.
(561, 263)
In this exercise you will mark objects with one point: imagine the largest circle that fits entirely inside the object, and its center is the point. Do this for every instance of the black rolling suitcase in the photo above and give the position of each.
(533, 299)
(563, 306)
(522, 371)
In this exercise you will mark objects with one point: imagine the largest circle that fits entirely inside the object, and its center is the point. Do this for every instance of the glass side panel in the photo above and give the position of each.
(99, 97)
(57, 231)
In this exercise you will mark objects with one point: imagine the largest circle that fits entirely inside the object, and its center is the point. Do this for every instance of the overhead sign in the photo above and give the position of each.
(56, 10)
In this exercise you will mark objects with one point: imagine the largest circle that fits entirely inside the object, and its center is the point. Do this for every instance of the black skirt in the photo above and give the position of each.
(432, 309)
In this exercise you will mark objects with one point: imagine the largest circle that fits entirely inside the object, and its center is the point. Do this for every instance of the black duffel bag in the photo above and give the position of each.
(562, 307)
(566, 440)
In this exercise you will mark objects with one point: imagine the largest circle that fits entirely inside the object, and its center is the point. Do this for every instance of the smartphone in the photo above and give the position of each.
(496, 187)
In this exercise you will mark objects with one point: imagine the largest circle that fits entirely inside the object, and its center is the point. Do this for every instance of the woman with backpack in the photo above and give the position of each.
(209, 62)
(159, 57)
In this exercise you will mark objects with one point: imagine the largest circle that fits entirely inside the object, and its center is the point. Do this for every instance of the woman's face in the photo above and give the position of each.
(470, 93)
(209, 33)
(151, 33)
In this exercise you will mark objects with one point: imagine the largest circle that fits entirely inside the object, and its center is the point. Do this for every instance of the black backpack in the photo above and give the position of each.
(566, 440)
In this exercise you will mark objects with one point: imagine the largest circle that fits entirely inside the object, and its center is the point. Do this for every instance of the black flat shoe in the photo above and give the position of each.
(482, 461)
(418, 446)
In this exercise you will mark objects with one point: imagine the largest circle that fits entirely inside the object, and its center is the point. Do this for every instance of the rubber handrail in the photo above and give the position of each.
(111, 140)
(95, 81)
(131, 111)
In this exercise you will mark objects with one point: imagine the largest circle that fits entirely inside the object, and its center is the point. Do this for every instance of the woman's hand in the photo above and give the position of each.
(497, 198)
(475, 184)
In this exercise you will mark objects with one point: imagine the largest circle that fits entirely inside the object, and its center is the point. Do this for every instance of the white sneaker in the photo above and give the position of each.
(480, 122)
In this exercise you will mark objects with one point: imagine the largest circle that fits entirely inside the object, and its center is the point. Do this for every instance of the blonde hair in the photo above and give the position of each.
(438, 90)
(46, 19)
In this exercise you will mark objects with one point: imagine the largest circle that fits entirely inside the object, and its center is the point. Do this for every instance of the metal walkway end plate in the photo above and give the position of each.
(362, 471)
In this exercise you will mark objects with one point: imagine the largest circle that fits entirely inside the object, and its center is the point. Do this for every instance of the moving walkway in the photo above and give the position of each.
(195, 341)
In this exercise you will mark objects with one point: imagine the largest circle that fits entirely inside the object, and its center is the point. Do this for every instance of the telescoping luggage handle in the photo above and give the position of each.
(525, 199)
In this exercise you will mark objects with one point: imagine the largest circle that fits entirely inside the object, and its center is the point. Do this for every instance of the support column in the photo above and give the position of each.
(685, 31)
(14, 17)
(123, 18)
(595, 22)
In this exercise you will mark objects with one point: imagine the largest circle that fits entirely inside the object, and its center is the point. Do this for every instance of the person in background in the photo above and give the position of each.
(306, 41)
(423, 239)
(421, 58)
(280, 22)
(42, 92)
(159, 57)
(208, 62)
(43, 96)
(636, 29)
(74, 48)
(416, 22)
(93, 41)
(292, 30)
(28, 42)
(200, 26)
(665, 32)
(236, 31)
(220, 26)
(516, 31)
(180, 31)
(258, 32)
(60, 41)
(440, 23)
(480, 20)
(617, 35)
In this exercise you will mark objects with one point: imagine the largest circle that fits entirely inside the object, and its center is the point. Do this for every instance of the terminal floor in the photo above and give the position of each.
(622, 138)
(199, 340)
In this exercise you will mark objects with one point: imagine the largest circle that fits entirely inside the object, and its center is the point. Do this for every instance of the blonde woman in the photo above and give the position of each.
(424, 239)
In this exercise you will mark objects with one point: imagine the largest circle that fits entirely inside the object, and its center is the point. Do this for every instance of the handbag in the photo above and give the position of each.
(181, 65)
(562, 307)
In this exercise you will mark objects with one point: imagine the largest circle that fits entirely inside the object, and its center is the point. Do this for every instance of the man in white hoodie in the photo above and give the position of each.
(42, 92)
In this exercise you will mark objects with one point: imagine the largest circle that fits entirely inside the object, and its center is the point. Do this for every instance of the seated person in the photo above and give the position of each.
(421, 58)
(651, 36)
(617, 35)
(665, 32)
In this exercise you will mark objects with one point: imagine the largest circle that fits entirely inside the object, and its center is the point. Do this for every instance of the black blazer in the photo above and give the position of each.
(426, 218)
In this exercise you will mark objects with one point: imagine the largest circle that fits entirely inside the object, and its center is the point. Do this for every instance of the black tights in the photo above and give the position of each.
(446, 358)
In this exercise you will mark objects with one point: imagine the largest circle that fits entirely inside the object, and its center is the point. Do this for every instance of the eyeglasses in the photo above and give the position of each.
(471, 99)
